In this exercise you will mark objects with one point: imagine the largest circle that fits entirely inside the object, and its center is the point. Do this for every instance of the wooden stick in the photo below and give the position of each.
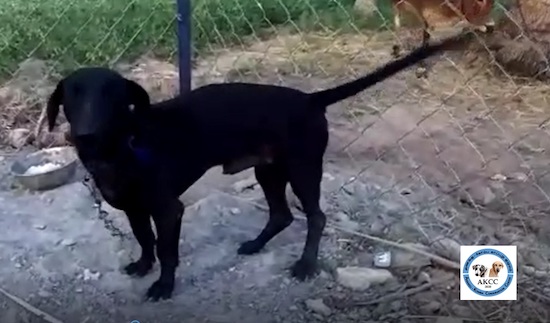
(435, 258)
(43, 315)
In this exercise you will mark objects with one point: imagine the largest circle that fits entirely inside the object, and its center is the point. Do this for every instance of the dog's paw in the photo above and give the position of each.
(302, 270)
(249, 248)
(139, 268)
(160, 290)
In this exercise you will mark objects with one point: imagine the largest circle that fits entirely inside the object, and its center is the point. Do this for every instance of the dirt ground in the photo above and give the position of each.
(458, 159)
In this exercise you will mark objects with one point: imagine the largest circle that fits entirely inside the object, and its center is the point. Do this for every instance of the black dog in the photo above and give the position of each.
(142, 159)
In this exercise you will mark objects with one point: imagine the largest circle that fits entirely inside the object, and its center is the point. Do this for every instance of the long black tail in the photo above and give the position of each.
(325, 98)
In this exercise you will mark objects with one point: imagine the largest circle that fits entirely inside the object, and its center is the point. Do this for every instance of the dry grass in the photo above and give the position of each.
(23, 97)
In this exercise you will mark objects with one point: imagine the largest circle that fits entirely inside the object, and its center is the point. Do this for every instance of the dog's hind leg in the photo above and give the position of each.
(140, 222)
(273, 178)
(305, 180)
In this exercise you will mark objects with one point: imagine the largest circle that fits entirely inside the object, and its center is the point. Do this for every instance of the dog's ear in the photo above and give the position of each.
(52, 108)
(139, 98)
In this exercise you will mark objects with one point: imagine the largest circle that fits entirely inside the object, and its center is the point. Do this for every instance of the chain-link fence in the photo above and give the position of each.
(457, 158)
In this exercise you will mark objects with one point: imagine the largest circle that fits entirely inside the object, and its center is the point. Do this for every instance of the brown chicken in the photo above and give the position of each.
(438, 13)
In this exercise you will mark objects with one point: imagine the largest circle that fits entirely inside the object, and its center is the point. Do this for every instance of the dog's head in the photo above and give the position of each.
(101, 106)
(479, 270)
(497, 266)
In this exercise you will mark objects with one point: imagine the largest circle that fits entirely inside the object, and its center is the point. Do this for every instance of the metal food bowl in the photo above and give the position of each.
(65, 159)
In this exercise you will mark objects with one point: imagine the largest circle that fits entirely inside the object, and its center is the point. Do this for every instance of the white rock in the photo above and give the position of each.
(480, 194)
(361, 278)
(498, 177)
(318, 306)
(89, 275)
(407, 259)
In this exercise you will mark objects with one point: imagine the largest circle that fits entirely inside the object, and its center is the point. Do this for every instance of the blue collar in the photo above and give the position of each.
(142, 154)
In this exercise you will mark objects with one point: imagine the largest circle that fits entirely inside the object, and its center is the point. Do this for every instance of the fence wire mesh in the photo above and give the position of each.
(457, 158)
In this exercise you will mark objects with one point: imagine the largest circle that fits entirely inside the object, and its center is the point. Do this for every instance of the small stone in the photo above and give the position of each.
(19, 137)
(43, 293)
(89, 275)
(528, 270)
(68, 242)
(377, 226)
(318, 306)
(520, 177)
(293, 308)
(40, 226)
(18, 265)
(424, 277)
(407, 259)
(461, 311)
(341, 217)
(382, 259)
(360, 278)
(235, 210)
(498, 177)
(78, 290)
(480, 194)
(430, 308)
(328, 176)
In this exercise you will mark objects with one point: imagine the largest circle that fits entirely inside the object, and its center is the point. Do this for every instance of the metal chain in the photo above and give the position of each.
(103, 215)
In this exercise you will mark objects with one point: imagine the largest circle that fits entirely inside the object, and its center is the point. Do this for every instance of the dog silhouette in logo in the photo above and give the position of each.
(479, 270)
(496, 268)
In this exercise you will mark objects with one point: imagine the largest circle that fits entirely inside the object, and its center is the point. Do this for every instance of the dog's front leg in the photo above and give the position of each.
(140, 222)
(167, 217)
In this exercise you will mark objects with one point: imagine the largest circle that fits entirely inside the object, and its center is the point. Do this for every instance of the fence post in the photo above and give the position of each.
(184, 44)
